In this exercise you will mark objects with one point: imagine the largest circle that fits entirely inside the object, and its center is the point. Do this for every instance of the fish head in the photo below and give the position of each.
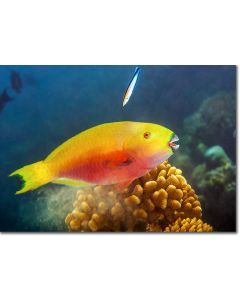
(150, 144)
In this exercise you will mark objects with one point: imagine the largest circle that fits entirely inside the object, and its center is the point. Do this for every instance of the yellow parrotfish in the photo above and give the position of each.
(108, 154)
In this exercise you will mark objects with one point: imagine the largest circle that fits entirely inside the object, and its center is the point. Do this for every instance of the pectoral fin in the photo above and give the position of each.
(113, 164)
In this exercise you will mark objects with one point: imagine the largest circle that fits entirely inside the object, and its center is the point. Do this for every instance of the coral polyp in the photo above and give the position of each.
(182, 225)
(189, 225)
(159, 198)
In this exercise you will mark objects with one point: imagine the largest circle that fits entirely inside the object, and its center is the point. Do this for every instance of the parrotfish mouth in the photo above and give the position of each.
(173, 144)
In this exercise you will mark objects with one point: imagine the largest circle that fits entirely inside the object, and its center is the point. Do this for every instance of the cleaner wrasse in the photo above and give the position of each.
(131, 87)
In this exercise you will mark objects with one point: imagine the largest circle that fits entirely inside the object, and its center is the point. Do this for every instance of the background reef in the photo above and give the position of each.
(56, 102)
(209, 159)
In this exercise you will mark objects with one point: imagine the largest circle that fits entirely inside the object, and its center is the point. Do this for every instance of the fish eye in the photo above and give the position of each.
(147, 135)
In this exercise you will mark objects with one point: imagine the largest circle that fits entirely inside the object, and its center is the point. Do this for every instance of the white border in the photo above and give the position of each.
(119, 266)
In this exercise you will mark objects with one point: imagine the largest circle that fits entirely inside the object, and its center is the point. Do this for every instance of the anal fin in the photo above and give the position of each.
(71, 182)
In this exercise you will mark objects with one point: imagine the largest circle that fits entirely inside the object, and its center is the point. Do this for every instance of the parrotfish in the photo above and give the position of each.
(131, 86)
(107, 154)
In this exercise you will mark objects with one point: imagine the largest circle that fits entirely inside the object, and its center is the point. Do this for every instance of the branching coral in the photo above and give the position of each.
(189, 225)
(182, 225)
(160, 197)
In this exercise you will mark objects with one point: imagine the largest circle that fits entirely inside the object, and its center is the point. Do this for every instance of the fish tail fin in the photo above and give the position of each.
(33, 176)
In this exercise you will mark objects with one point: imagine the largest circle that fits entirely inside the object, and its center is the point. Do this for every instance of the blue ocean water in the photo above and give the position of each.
(57, 102)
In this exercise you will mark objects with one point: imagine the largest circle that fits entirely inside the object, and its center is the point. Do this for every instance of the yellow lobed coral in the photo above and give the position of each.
(159, 198)
(182, 225)
(189, 225)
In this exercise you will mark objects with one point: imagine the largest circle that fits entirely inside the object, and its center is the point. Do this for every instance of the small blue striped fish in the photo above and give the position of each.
(131, 86)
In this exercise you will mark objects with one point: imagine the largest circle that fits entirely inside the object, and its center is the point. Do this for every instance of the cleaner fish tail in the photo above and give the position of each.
(33, 176)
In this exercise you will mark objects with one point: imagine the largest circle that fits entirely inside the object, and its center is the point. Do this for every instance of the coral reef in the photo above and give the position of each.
(215, 181)
(189, 225)
(160, 198)
(213, 123)
(182, 225)
(184, 162)
(208, 156)
(216, 157)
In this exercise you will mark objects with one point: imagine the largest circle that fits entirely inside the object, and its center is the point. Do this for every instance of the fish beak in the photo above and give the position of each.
(173, 144)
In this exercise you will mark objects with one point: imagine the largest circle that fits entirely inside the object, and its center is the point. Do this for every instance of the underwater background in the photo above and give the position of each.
(54, 103)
